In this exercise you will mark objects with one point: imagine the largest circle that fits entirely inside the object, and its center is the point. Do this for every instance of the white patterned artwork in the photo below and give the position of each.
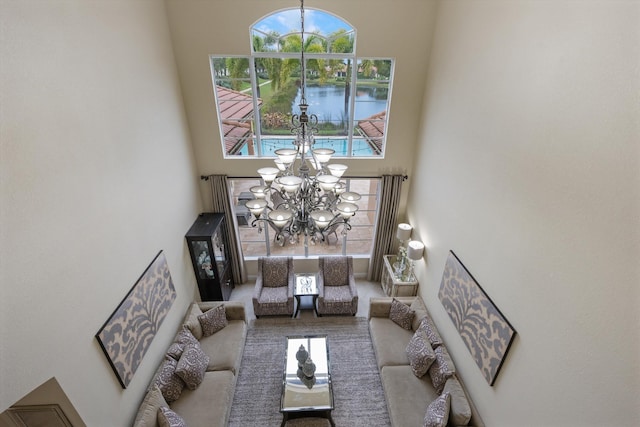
(484, 330)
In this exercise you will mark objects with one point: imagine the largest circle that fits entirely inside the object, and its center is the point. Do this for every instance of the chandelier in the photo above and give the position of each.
(294, 202)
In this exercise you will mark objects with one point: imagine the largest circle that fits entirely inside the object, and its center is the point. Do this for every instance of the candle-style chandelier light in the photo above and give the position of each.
(293, 202)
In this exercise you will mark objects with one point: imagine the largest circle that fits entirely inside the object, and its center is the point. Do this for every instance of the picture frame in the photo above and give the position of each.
(127, 334)
(485, 331)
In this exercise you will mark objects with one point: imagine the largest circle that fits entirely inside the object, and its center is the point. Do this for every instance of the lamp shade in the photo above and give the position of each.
(322, 218)
(323, 154)
(337, 169)
(286, 155)
(404, 231)
(268, 174)
(327, 182)
(346, 209)
(415, 249)
(256, 206)
(280, 217)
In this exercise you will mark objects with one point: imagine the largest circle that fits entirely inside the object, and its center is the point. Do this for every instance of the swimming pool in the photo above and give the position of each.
(360, 147)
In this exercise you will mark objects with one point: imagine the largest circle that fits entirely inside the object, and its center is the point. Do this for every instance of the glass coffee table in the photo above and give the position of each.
(306, 289)
(304, 395)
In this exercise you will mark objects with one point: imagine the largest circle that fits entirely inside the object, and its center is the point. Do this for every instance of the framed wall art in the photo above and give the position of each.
(129, 331)
(485, 331)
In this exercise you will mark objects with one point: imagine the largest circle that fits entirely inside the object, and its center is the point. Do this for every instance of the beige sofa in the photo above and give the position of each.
(210, 403)
(407, 395)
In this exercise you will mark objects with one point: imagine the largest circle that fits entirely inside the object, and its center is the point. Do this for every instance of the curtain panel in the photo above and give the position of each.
(391, 187)
(221, 203)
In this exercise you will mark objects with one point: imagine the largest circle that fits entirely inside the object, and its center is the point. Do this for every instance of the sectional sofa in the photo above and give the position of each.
(408, 395)
(198, 385)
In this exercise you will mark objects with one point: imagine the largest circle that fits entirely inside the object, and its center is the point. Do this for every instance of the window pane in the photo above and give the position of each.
(269, 33)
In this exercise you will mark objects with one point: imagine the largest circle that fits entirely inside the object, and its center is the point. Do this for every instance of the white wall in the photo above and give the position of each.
(97, 175)
(529, 169)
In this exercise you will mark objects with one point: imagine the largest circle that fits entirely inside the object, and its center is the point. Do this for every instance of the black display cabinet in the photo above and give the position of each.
(207, 241)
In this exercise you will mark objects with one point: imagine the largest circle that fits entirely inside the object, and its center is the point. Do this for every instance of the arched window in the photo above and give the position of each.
(256, 95)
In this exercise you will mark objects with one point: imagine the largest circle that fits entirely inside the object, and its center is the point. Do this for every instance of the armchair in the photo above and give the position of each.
(273, 293)
(337, 293)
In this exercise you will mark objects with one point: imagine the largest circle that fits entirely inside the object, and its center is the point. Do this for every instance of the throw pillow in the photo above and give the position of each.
(213, 320)
(401, 314)
(460, 412)
(420, 354)
(185, 337)
(441, 369)
(438, 412)
(168, 418)
(431, 331)
(168, 382)
(175, 351)
(192, 366)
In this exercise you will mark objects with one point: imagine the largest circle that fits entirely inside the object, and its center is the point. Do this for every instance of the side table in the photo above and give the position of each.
(394, 286)
(306, 288)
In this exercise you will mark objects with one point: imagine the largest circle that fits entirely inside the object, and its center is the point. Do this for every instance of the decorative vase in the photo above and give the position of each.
(309, 368)
(302, 356)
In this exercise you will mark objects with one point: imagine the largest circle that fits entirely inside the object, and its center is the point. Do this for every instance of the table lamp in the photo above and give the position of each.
(415, 249)
(403, 234)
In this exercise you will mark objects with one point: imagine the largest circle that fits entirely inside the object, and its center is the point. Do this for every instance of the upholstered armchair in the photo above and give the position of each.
(337, 293)
(273, 293)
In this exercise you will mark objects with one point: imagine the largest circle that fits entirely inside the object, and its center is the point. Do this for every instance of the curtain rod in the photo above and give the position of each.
(206, 177)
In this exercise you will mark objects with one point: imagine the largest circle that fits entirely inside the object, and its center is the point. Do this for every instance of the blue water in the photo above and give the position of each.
(341, 145)
(327, 102)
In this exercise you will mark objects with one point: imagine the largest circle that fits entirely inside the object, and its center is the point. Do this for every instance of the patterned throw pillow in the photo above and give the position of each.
(213, 320)
(438, 412)
(168, 418)
(429, 328)
(192, 366)
(441, 369)
(185, 337)
(401, 314)
(168, 382)
(275, 271)
(420, 354)
(175, 350)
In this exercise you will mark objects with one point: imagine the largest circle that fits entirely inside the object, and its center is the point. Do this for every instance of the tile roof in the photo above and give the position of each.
(373, 128)
(236, 113)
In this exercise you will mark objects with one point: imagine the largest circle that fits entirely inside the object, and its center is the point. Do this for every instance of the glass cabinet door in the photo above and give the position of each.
(202, 254)
(219, 249)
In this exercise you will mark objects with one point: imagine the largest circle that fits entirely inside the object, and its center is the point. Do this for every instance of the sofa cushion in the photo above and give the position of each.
(192, 366)
(420, 312)
(210, 403)
(225, 347)
(438, 412)
(168, 418)
(441, 369)
(213, 320)
(407, 396)
(191, 320)
(401, 314)
(389, 342)
(168, 382)
(420, 353)
(147, 415)
(460, 413)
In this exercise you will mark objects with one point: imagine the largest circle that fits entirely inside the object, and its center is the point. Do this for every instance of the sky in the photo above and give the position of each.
(287, 20)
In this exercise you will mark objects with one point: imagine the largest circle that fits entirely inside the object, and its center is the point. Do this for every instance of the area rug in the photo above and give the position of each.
(357, 390)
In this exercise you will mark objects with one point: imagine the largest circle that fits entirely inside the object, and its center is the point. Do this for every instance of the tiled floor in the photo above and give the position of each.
(366, 290)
